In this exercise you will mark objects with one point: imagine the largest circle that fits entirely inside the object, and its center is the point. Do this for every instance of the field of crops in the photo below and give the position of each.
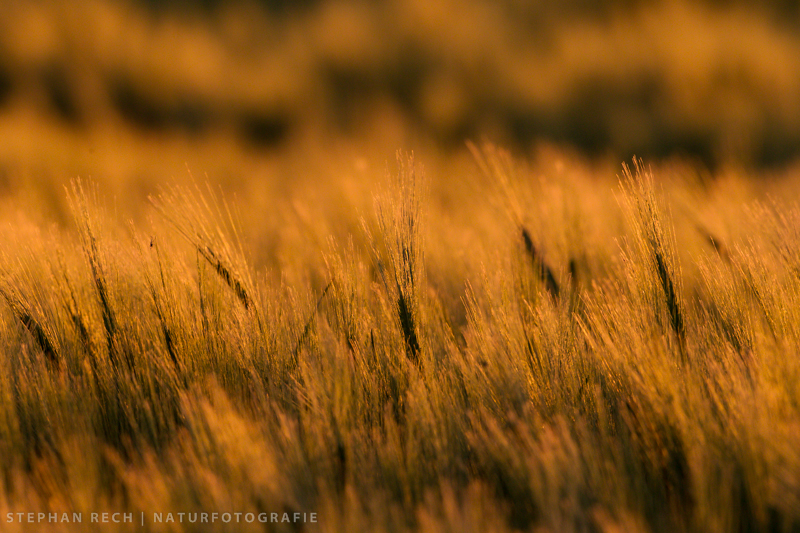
(229, 303)
(544, 347)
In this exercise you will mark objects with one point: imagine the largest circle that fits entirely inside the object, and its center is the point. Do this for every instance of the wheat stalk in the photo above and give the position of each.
(25, 315)
(541, 268)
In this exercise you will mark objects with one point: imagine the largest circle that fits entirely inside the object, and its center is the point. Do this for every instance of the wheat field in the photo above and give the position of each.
(550, 345)
(229, 303)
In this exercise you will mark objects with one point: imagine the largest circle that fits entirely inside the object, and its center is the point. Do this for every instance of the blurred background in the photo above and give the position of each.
(136, 91)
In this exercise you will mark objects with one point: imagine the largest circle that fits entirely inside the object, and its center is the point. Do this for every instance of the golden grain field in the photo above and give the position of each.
(224, 291)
